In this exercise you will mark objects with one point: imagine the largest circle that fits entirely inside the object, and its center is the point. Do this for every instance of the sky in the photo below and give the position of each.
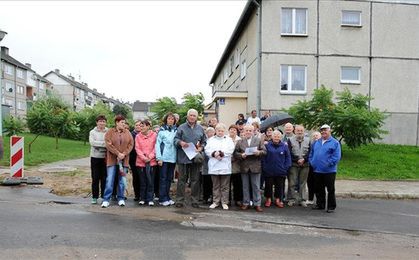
(131, 50)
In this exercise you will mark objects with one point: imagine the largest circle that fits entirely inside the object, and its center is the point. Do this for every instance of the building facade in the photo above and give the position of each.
(280, 51)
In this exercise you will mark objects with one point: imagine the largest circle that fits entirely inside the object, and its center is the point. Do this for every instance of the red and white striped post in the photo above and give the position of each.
(16, 156)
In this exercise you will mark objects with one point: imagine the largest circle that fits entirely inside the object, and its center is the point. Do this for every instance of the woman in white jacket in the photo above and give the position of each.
(219, 149)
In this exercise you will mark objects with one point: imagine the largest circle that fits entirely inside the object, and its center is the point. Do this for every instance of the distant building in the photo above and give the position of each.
(142, 110)
(280, 51)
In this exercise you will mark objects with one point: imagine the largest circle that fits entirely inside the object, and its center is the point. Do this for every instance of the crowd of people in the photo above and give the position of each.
(222, 165)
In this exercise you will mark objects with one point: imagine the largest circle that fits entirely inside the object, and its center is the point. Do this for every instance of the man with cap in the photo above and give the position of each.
(324, 157)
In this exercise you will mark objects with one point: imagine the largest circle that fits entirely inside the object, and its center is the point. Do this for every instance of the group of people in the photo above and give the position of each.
(223, 165)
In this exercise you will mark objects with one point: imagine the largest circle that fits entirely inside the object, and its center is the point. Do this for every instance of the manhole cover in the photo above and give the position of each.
(57, 169)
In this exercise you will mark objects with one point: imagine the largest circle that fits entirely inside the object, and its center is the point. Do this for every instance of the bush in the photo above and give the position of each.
(13, 126)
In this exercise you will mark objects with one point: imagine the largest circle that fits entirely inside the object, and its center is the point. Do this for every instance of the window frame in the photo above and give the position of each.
(19, 88)
(351, 25)
(289, 91)
(293, 16)
(346, 81)
(243, 69)
(8, 70)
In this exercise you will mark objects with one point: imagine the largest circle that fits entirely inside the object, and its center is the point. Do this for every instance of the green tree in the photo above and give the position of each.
(13, 125)
(191, 101)
(121, 109)
(351, 118)
(162, 106)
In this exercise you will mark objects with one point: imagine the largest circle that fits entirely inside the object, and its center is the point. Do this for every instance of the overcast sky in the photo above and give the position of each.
(134, 50)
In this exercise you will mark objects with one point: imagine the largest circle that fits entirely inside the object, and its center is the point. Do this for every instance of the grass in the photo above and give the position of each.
(380, 162)
(43, 150)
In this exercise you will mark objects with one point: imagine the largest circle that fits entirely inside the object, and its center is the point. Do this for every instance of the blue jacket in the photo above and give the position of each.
(277, 160)
(324, 158)
(165, 146)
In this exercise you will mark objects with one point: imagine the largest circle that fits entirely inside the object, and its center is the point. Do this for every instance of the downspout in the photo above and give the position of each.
(259, 57)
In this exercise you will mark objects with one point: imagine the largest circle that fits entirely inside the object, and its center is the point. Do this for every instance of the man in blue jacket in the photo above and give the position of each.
(324, 157)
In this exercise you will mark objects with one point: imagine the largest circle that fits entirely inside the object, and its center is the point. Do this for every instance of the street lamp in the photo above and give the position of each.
(2, 34)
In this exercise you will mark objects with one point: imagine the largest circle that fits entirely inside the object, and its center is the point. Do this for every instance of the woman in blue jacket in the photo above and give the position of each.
(275, 169)
(166, 157)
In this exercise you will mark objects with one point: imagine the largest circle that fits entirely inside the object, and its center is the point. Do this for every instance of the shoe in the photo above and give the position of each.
(268, 202)
(179, 205)
(171, 202)
(141, 202)
(258, 209)
(279, 203)
(121, 203)
(150, 203)
(244, 207)
(251, 203)
(94, 201)
(165, 204)
(213, 206)
(195, 205)
(303, 204)
(309, 202)
(291, 203)
(105, 204)
(330, 211)
(225, 206)
(317, 207)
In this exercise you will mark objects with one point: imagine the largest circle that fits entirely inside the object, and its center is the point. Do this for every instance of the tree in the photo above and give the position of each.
(13, 126)
(351, 118)
(121, 109)
(163, 106)
(191, 101)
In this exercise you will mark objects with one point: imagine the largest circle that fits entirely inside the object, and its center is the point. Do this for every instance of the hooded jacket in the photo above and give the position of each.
(165, 145)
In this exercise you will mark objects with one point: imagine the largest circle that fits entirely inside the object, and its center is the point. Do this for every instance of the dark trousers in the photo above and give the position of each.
(98, 168)
(279, 183)
(310, 184)
(191, 170)
(135, 179)
(206, 187)
(166, 172)
(146, 183)
(157, 182)
(236, 184)
(322, 181)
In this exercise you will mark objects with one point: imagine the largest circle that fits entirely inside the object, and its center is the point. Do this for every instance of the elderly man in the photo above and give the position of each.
(324, 157)
(288, 132)
(249, 151)
(299, 146)
(187, 134)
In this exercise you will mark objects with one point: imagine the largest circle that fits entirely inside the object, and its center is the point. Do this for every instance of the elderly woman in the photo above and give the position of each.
(119, 144)
(235, 180)
(250, 151)
(275, 168)
(219, 149)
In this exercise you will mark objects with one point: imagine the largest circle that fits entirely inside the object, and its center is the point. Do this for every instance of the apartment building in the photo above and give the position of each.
(281, 50)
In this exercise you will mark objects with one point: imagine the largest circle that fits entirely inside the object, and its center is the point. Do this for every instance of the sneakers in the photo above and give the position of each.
(309, 202)
(303, 204)
(225, 206)
(150, 203)
(105, 204)
(171, 202)
(165, 204)
(213, 206)
(94, 201)
(141, 202)
(121, 203)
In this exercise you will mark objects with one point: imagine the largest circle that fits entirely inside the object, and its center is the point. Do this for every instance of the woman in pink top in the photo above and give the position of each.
(146, 162)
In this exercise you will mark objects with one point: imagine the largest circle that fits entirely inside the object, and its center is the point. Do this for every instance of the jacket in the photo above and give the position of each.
(324, 157)
(251, 163)
(144, 147)
(133, 153)
(277, 160)
(299, 150)
(118, 142)
(188, 134)
(235, 163)
(165, 146)
(97, 143)
(224, 144)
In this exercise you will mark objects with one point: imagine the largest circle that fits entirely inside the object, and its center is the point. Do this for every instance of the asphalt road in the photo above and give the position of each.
(38, 225)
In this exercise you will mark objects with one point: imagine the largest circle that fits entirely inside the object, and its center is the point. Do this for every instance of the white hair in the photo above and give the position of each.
(192, 111)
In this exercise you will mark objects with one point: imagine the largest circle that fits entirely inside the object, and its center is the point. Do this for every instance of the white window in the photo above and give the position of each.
(41, 85)
(20, 105)
(351, 18)
(351, 75)
(237, 58)
(243, 69)
(293, 79)
(9, 87)
(20, 90)
(9, 102)
(9, 69)
(19, 73)
(294, 21)
(226, 74)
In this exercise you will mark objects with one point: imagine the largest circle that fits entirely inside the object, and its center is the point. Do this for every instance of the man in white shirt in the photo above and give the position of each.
(253, 118)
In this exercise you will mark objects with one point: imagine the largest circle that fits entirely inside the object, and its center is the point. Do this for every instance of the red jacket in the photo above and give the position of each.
(144, 146)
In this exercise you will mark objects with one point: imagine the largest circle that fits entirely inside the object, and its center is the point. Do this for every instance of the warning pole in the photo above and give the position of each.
(16, 156)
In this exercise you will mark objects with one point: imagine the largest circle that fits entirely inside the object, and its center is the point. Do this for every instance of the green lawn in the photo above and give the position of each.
(380, 162)
(43, 150)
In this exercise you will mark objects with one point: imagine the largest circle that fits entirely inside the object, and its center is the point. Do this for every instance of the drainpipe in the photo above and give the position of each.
(259, 57)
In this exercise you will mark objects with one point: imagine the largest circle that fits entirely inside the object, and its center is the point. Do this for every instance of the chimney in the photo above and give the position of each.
(28, 65)
(57, 71)
(4, 50)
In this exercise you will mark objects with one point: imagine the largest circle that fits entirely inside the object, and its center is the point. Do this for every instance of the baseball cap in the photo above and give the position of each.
(325, 127)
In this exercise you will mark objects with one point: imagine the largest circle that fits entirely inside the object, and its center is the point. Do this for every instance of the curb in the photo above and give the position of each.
(377, 195)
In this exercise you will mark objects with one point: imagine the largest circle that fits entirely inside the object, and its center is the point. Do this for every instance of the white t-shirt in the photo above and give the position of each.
(250, 120)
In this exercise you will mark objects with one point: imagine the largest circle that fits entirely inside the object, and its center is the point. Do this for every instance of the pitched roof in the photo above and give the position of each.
(11, 60)
(142, 106)
(71, 81)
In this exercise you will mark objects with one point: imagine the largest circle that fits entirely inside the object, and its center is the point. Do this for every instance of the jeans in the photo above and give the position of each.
(112, 172)
(166, 175)
(322, 181)
(98, 167)
(147, 183)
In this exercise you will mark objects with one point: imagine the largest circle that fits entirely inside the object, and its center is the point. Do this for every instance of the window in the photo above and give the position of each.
(19, 73)
(351, 75)
(225, 74)
(231, 69)
(294, 21)
(8, 69)
(351, 18)
(243, 69)
(9, 102)
(20, 105)
(41, 85)
(20, 90)
(9, 87)
(237, 58)
(293, 79)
